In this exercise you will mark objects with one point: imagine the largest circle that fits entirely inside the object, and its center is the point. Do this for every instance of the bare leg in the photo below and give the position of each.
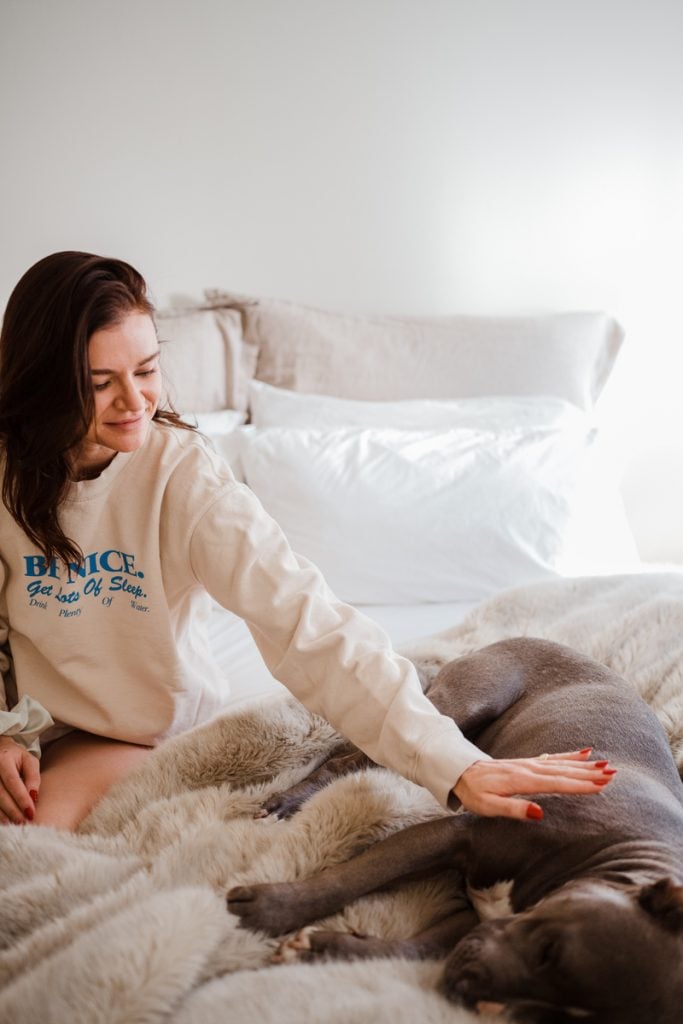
(284, 907)
(76, 772)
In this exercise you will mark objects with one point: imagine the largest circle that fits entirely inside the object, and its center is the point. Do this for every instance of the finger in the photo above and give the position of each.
(571, 768)
(10, 810)
(562, 784)
(569, 755)
(30, 771)
(492, 806)
(507, 779)
(15, 787)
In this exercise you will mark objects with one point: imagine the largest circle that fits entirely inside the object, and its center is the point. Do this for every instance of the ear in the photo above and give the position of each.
(664, 901)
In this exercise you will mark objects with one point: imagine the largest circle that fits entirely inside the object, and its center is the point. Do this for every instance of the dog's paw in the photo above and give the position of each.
(270, 908)
(313, 944)
(266, 817)
(283, 805)
(292, 949)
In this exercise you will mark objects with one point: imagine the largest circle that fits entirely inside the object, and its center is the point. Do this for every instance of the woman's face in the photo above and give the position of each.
(126, 380)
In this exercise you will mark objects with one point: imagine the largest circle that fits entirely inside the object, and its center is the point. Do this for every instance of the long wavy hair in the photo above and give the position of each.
(46, 394)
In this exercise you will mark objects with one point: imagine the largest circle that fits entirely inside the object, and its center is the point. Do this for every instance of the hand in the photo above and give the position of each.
(19, 783)
(488, 787)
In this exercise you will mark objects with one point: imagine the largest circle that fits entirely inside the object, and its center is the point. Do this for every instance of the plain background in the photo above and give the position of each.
(413, 156)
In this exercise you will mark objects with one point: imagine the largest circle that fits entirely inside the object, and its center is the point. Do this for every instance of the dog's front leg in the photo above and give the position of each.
(282, 907)
(340, 763)
(433, 942)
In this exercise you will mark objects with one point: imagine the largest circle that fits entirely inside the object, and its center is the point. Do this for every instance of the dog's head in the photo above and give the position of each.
(590, 951)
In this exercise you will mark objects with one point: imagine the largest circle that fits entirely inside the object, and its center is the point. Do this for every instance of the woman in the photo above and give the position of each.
(117, 525)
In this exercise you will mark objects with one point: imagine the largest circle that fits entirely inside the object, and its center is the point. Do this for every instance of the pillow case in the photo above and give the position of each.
(204, 360)
(598, 538)
(386, 358)
(278, 407)
(394, 516)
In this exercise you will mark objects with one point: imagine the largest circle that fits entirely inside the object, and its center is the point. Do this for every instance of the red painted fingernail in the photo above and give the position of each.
(600, 764)
(28, 813)
(609, 771)
(601, 782)
(33, 793)
(586, 750)
(534, 811)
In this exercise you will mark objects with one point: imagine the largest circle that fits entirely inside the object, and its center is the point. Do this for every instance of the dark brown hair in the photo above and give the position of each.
(46, 394)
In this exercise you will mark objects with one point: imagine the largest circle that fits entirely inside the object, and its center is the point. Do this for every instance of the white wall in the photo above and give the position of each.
(396, 155)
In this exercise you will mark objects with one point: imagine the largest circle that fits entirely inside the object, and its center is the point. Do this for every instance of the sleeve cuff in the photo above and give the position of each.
(25, 722)
(441, 761)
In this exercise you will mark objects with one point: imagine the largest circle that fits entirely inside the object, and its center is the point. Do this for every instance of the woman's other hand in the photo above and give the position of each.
(19, 783)
(492, 787)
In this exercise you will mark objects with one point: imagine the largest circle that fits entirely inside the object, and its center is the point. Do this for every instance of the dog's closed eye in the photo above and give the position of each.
(548, 950)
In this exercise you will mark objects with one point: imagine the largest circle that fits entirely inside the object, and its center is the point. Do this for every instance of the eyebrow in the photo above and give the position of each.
(147, 359)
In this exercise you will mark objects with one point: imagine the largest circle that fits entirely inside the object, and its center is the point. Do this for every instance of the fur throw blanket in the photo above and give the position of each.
(126, 921)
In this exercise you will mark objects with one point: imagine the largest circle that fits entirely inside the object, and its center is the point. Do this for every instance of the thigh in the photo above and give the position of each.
(76, 771)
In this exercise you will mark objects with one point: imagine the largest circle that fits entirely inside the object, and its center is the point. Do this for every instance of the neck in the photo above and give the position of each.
(623, 863)
(90, 462)
(91, 470)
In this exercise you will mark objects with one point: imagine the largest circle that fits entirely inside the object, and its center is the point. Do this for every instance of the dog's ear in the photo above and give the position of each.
(664, 901)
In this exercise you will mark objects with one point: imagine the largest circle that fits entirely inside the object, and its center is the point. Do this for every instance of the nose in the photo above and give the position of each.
(130, 397)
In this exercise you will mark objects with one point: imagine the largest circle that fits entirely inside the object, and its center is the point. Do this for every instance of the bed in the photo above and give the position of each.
(448, 477)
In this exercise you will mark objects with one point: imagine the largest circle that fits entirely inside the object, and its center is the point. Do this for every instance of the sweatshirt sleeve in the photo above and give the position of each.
(25, 722)
(335, 660)
(27, 719)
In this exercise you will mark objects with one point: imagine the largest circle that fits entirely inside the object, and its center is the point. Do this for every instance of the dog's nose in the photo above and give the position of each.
(463, 986)
(464, 993)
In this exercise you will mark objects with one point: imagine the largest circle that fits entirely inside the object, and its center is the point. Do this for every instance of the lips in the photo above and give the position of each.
(126, 424)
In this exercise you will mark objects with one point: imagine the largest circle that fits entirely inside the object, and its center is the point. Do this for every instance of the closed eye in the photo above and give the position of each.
(103, 385)
(548, 951)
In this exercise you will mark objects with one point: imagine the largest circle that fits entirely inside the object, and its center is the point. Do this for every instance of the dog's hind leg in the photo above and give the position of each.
(478, 688)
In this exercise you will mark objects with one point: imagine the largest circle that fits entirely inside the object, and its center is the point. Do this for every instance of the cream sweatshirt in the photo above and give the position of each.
(119, 648)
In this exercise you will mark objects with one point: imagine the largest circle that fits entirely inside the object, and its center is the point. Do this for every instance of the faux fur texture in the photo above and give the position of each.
(126, 921)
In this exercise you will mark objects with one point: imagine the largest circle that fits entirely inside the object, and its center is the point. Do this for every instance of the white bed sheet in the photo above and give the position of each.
(247, 676)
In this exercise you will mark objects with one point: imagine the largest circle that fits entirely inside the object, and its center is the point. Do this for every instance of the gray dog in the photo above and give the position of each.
(594, 928)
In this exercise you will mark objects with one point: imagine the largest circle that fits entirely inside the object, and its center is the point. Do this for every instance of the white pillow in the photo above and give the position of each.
(220, 428)
(278, 407)
(599, 539)
(393, 516)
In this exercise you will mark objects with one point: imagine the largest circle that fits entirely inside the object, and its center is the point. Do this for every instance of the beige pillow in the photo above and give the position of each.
(569, 355)
(204, 360)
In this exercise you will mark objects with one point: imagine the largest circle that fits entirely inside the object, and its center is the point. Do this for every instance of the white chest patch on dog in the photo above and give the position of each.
(491, 902)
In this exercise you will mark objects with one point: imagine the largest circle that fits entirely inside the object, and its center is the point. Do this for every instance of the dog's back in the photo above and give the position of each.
(523, 696)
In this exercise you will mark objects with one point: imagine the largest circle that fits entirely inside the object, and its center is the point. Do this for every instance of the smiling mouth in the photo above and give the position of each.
(126, 424)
